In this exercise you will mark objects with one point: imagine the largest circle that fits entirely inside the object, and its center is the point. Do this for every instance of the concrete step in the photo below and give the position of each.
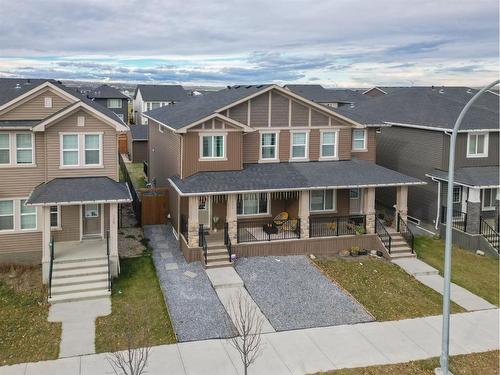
(82, 287)
(217, 251)
(80, 296)
(80, 279)
(79, 272)
(216, 257)
(219, 264)
(400, 250)
(81, 264)
(402, 255)
(77, 260)
(217, 248)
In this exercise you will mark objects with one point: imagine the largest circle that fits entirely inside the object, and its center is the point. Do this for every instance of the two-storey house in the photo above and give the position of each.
(148, 97)
(111, 98)
(59, 189)
(260, 170)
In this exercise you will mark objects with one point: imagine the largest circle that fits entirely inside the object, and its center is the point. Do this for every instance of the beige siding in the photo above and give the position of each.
(20, 242)
(279, 110)
(70, 224)
(259, 111)
(164, 161)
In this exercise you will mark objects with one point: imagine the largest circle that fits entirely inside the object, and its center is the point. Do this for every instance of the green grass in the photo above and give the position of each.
(25, 333)
(384, 289)
(468, 364)
(478, 274)
(136, 173)
(137, 305)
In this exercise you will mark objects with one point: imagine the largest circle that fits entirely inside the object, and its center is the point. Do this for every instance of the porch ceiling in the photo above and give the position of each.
(477, 177)
(292, 176)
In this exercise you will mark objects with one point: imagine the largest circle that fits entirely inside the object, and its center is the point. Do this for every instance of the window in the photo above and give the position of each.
(323, 200)
(91, 210)
(54, 216)
(457, 194)
(92, 149)
(329, 144)
(5, 148)
(212, 146)
(489, 197)
(6, 215)
(24, 148)
(47, 102)
(155, 105)
(268, 145)
(28, 216)
(359, 139)
(299, 145)
(252, 204)
(477, 145)
(114, 103)
(70, 146)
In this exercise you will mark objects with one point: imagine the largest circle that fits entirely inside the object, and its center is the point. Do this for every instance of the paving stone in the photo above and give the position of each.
(166, 255)
(190, 274)
(171, 266)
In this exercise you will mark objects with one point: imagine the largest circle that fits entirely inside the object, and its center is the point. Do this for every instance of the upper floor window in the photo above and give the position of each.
(328, 145)
(212, 146)
(359, 139)
(323, 200)
(83, 149)
(114, 103)
(477, 145)
(299, 145)
(47, 102)
(252, 204)
(70, 150)
(269, 146)
(24, 148)
(6, 215)
(5, 148)
(18, 147)
(92, 149)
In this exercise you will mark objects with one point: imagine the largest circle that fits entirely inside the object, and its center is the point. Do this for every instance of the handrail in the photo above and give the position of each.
(257, 230)
(109, 266)
(406, 233)
(488, 232)
(459, 220)
(203, 241)
(51, 265)
(332, 226)
(383, 234)
(227, 240)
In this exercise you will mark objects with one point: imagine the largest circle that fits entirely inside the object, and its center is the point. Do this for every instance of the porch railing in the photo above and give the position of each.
(488, 232)
(51, 264)
(109, 262)
(383, 234)
(227, 240)
(330, 226)
(184, 227)
(459, 219)
(402, 227)
(203, 241)
(267, 230)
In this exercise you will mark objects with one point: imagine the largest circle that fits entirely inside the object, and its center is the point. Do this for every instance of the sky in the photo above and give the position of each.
(337, 43)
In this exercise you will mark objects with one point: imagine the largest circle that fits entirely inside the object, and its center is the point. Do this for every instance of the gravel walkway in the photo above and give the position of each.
(195, 310)
(292, 293)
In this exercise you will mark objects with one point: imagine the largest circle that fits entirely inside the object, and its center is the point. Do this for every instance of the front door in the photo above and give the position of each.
(355, 205)
(91, 219)
(204, 211)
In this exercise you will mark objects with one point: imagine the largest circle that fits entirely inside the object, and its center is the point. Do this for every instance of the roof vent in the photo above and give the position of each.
(260, 86)
(228, 87)
(237, 87)
(18, 86)
(249, 86)
(352, 105)
(469, 91)
(441, 91)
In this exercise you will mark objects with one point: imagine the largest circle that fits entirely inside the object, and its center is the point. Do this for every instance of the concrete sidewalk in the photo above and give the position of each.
(303, 351)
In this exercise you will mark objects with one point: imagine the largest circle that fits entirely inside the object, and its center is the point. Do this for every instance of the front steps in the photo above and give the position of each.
(217, 257)
(399, 247)
(79, 279)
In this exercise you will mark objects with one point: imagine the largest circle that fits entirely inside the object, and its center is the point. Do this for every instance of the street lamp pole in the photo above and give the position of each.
(445, 340)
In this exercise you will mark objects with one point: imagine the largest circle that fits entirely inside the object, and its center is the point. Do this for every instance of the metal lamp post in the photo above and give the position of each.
(443, 370)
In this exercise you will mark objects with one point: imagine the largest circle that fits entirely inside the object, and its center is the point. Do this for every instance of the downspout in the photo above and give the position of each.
(438, 208)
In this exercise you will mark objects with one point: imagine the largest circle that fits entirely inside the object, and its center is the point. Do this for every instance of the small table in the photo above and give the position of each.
(270, 229)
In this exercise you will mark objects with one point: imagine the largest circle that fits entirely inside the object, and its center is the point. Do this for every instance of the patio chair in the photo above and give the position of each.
(280, 219)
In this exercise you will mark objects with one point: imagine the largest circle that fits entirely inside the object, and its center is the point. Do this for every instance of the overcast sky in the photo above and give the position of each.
(343, 43)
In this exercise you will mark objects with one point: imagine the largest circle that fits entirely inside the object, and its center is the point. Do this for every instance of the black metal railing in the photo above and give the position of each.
(109, 262)
(488, 232)
(202, 241)
(145, 168)
(267, 230)
(404, 230)
(136, 200)
(51, 264)
(184, 227)
(329, 226)
(383, 234)
(459, 219)
(227, 241)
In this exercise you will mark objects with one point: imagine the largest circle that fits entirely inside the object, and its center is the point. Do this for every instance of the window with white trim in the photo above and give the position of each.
(92, 149)
(323, 200)
(70, 150)
(47, 102)
(6, 215)
(24, 148)
(359, 139)
(329, 144)
(55, 216)
(114, 103)
(457, 194)
(477, 145)
(28, 216)
(299, 145)
(91, 210)
(212, 147)
(269, 146)
(4, 148)
(488, 200)
(252, 204)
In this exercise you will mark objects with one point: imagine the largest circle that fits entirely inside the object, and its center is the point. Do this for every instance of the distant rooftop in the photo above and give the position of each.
(106, 92)
(162, 93)
(319, 94)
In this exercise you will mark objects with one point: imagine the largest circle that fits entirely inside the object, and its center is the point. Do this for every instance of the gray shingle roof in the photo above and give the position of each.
(471, 176)
(80, 189)
(106, 92)
(319, 94)
(426, 106)
(196, 107)
(162, 93)
(293, 176)
(139, 132)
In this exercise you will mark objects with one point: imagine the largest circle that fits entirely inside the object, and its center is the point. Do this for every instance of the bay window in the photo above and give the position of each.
(28, 216)
(477, 145)
(328, 144)
(6, 215)
(299, 145)
(359, 139)
(252, 204)
(323, 200)
(212, 146)
(268, 146)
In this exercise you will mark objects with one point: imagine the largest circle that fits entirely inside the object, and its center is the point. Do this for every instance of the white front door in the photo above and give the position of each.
(204, 211)
(92, 220)
(355, 201)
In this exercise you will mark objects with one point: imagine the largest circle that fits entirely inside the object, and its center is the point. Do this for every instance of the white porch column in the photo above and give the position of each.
(401, 203)
(473, 211)
(497, 209)
(369, 209)
(304, 213)
(193, 224)
(45, 226)
(113, 239)
(231, 219)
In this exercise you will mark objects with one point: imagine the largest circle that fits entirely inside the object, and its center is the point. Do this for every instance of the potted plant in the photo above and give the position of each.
(215, 220)
(363, 252)
(359, 229)
(354, 251)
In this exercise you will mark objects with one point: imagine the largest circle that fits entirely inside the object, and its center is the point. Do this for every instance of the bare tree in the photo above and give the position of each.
(248, 321)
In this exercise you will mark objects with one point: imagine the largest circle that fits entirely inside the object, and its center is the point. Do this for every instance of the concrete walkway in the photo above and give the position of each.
(78, 324)
(430, 277)
(303, 351)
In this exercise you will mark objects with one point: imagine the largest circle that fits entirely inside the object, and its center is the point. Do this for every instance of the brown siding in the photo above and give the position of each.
(164, 162)
(21, 242)
(371, 153)
(314, 144)
(279, 110)
(191, 254)
(251, 147)
(284, 145)
(259, 111)
(461, 152)
(139, 151)
(285, 205)
(70, 224)
(240, 113)
(345, 140)
(300, 115)
(318, 119)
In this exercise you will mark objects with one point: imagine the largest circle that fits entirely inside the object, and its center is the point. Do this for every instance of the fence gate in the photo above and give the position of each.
(122, 144)
(154, 206)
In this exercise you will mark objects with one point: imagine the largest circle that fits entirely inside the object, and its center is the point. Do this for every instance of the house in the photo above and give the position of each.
(138, 143)
(112, 99)
(148, 97)
(259, 170)
(59, 189)
(330, 97)
(417, 144)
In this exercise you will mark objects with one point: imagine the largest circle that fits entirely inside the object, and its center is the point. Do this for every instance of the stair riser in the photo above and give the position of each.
(77, 274)
(78, 267)
(78, 289)
(74, 299)
(66, 261)
(218, 265)
(67, 281)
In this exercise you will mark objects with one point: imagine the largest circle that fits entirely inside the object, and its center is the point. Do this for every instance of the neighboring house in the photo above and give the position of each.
(112, 99)
(417, 144)
(148, 97)
(59, 189)
(138, 143)
(330, 97)
(239, 157)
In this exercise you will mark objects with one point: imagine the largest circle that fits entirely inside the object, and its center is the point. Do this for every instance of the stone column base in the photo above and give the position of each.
(232, 227)
(370, 223)
(304, 227)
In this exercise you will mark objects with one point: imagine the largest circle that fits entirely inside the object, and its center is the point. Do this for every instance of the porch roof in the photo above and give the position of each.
(79, 190)
(475, 177)
(292, 176)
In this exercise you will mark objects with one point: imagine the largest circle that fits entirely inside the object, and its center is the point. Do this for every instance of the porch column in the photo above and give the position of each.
(304, 213)
(369, 209)
(497, 209)
(193, 226)
(232, 222)
(113, 239)
(473, 211)
(401, 203)
(45, 226)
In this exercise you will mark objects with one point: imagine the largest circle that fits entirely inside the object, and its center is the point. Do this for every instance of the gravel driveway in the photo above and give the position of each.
(292, 293)
(195, 310)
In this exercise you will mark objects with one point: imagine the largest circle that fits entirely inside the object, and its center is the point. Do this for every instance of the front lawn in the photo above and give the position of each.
(137, 306)
(478, 274)
(136, 172)
(384, 289)
(25, 333)
(468, 364)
